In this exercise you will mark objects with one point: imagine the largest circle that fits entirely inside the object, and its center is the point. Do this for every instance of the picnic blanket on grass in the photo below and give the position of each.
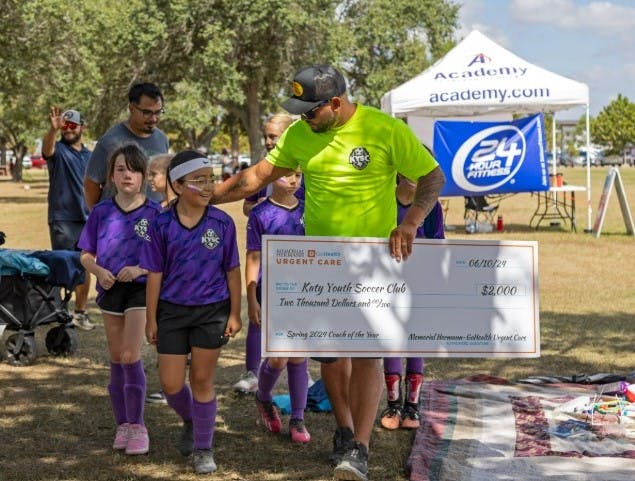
(477, 431)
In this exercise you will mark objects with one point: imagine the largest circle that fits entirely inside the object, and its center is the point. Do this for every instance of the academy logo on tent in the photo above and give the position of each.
(476, 68)
(489, 158)
(479, 58)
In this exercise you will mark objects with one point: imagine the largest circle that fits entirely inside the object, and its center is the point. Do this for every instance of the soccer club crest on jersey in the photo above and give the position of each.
(359, 158)
(141, 229)
(210, 239)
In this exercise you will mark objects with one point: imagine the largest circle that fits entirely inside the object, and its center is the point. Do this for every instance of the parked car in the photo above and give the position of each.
(215, 158)
(244, 160)
(611, 160)
(38, 162)
(26, 162)
(564, 160)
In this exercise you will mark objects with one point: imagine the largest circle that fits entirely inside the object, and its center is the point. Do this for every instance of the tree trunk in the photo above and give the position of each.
(204, 139)
(19, 149)
(253, 127)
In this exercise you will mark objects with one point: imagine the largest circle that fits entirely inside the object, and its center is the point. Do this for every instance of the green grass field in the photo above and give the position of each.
(55, 419)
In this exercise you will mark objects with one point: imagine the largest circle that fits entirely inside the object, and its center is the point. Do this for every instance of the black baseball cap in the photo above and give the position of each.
(313, 85)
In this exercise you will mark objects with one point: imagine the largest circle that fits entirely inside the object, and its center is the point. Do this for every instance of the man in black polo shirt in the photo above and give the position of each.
(66, 160)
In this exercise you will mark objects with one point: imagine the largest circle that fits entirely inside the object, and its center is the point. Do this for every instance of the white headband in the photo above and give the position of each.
(185, 168)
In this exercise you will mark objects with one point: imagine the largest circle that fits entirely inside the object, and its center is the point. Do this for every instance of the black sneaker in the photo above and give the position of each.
(354, 464)
(390, 417)
(343, 440)
(186, 441)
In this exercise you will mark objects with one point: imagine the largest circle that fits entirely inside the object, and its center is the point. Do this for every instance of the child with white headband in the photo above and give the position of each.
(193, 299)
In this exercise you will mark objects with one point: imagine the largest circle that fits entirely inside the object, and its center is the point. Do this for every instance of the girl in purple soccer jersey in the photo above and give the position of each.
(273, 129)
(111, 243)
(281, 213)
(405, 412)
(193, 299)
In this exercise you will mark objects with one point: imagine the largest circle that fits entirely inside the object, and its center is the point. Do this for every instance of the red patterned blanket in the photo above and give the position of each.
(476, 431)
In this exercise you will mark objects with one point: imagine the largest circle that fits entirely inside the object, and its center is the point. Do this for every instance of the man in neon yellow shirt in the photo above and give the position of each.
(349, 155)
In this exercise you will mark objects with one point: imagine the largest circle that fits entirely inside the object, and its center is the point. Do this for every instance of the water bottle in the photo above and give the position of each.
(499, 224)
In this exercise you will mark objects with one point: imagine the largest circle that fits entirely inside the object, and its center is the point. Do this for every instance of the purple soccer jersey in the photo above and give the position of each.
(432, 227)
(194, 262)
(116, 237)
(270, 218)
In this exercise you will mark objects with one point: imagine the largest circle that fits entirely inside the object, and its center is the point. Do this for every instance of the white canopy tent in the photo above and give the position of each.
(479, 78)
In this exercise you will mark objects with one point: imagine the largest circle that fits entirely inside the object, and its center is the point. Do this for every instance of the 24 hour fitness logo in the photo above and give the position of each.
(489, 158)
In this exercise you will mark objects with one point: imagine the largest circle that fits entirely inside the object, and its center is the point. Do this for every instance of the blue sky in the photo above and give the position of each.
(586, 40)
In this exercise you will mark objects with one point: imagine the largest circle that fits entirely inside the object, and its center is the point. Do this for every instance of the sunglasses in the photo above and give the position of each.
(69, 126)
(310, 114)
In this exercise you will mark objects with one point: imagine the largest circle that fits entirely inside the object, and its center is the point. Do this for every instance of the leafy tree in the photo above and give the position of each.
(131, 41)
(223, 65)
(615, 125)
(390, 41)
(246, 50)
(39, 63)
(192, 117)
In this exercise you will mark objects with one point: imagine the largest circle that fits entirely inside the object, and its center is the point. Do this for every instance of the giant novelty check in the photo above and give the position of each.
(334, 296)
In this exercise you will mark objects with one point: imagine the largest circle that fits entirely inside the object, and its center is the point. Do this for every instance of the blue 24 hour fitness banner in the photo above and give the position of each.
(480, 158)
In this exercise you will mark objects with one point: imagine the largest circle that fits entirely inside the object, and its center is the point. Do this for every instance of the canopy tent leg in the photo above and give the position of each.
(589, 227)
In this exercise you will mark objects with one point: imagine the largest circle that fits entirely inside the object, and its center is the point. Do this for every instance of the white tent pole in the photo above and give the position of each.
(554, 148)
(588, 171)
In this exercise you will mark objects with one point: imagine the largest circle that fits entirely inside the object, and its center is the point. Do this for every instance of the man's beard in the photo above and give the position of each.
(148, 129)
(70, 140)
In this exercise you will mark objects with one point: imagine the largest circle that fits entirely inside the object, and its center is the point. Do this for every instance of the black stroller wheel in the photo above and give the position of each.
(61, 341)
(20, 349)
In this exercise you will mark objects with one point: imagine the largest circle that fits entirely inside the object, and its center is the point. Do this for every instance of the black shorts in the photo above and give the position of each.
(65, 234)
(121, 297)
(325, 360)
(331, 360)
(179, 328)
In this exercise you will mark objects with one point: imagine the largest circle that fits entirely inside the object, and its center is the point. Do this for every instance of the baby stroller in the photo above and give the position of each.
(31, 285)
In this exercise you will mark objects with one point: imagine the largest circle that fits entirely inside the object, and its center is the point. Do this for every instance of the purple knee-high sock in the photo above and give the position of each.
(134, 391)
(415, 365)
(267, 377)
(252, 348)
(392, 365)
(203, 421)
(181, 402)
(115, 388)
(298, 387)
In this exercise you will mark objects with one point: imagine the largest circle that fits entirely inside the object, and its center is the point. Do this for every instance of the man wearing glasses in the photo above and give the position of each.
(349, 154)
(145, 110)
(66, 162)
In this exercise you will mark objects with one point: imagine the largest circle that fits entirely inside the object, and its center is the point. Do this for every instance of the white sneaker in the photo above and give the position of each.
(156, 398)
(81, 320)
(248, 383)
